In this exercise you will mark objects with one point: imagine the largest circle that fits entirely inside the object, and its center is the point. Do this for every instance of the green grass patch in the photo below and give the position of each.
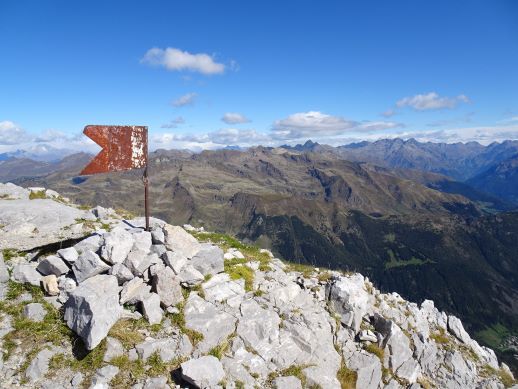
(395, 262)
(346, 377)
(37, 195)
(236, 269)
(9, 254)
(178, 319)
(306, 270)
(494, 335)
(373, 348)
(127, 331)
(440, 336)
(251, 252)
(26, 333)
(294, 370)
(220, 350)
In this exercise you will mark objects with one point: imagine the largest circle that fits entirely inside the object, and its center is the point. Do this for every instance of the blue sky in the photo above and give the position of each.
(205, 74)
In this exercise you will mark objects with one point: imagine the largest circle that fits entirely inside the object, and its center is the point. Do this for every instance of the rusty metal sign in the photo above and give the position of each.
(123, 148)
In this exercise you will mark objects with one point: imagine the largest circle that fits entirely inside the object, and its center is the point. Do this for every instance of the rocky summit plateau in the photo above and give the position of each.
(89, 299)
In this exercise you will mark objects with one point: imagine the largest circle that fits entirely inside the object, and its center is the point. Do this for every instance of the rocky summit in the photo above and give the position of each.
(90, 299)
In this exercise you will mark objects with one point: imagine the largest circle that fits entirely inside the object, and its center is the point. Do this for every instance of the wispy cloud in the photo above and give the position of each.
(187, 99)
(177, 60)
(12, 134)
(431, 101)
(234, 118)
(314, 124)
(224, 136)
(50, 136)
(174, 123)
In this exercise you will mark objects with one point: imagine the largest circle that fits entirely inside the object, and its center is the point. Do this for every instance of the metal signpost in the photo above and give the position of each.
(123, 148)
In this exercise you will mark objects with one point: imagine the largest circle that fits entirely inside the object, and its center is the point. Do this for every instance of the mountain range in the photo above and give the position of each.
(426, 220)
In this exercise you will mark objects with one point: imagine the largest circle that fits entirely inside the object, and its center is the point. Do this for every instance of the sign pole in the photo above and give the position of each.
(145, 179)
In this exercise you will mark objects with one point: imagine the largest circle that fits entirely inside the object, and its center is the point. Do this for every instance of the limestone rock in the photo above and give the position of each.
(27, 273)
(169, 349)
(117, 245)
(114, 349)
(167, 285)
(4, 274)
(289, 382)
(348, 297)
(151, 308)
(104, 375)
(157, 235)
(368, 368)
(134, 291)
(190, 276)
(36, 223)
(203, 372)
(156, 383)
(34, 312)
(93, 308)
(456, 328)
(50, 285)
(204, 317)
(175, 260)
(179, 240)
(52, 265)
(137, 262)
(92, 243)
(88, 265)
(39, 365)
(142, 241)
(69, 254)
(208, 260)
(122, 273)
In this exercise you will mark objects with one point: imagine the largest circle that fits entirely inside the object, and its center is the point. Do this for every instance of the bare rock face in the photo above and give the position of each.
(179, 240)
(204, 372)
(151, 308)
(209, 260)
(88, 265)
(349, 298)
(34, 312)
(52, 265)
(4, 274)
(27, 273)
(93, 308)
(36, 223)
(167, 285)
(118, 244)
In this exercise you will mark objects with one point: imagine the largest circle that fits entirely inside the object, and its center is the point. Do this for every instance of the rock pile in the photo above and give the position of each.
(233, 317)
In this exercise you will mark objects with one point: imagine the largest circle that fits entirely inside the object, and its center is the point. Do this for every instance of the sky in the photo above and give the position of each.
(208, 74)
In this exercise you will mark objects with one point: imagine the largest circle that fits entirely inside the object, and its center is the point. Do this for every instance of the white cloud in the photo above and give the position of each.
(314, 124)
(388, 113)
(234, 136)
(173, 123)
(432, 100)
(177, 60)
(310, 124)
(512, 119)
(234, 118)
(187, 99)
(224, 136)
(11, 134)
(369, 126)
(50, 136)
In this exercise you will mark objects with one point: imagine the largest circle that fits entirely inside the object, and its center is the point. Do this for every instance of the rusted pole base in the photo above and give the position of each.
(145, 179)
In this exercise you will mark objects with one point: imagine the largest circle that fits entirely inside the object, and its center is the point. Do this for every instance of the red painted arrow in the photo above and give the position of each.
(123, 148)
